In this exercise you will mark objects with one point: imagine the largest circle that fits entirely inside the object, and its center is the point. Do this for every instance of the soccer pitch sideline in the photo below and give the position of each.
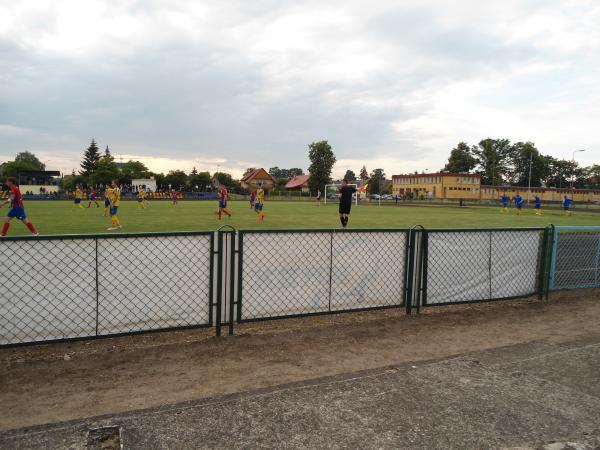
(60, 217)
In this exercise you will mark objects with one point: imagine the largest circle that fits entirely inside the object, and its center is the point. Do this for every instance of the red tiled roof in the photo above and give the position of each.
(297, 181)
(253, 174)
(250, 175)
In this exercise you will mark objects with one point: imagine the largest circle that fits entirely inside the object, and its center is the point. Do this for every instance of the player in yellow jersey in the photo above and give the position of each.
(107, 195)
(115, 201)
(141, 198)
(78, 196)
(259, 203)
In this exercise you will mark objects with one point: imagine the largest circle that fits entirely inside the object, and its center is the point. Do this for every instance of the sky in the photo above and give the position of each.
(230, 84)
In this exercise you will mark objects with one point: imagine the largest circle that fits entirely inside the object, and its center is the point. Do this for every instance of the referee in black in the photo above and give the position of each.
(346, 196)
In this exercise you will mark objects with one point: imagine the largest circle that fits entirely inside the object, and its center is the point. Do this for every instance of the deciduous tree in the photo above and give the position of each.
(322, 160)
(461, 159)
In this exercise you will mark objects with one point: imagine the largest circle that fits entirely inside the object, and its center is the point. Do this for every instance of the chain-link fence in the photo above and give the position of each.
(575, 258)
(290, 273)
(80, 286)
(477, 265)
(67, 287)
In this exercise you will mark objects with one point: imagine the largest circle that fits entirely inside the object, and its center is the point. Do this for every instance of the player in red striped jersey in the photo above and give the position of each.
(16, 208)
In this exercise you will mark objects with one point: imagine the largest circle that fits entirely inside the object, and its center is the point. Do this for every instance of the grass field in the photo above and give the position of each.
(59, 217)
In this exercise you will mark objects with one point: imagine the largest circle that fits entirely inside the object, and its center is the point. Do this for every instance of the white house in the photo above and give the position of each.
(149, 184)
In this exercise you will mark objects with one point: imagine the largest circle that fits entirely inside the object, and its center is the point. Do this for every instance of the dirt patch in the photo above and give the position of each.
(56, 382)
(105, 438)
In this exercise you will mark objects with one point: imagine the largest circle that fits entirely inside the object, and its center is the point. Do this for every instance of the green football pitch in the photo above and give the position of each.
(59, 217)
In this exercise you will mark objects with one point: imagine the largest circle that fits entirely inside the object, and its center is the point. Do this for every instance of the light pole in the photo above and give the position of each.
(529, 183)
(573, 167)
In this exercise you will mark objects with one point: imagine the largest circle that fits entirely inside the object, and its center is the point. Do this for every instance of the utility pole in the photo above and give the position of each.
(573, 168)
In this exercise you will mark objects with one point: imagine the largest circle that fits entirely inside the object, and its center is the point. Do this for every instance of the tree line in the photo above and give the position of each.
(99, 169)
(500, 162)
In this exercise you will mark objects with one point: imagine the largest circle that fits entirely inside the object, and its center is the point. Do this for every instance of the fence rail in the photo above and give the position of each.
(83, 286)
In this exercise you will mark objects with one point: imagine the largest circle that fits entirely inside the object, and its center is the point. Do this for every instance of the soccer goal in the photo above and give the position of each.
(334, 188)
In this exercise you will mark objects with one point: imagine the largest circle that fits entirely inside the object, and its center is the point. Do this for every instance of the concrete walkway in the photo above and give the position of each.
(534, 395)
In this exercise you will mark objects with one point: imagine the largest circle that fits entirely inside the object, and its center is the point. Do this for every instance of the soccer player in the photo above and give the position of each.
(252, 199)
(223, 195)
(518, 203)
(505, 202)
(318, 197)
(346, 195)
(107, 196)
(78, 196)
(93, 198)
(115, 201)
(259, 203)
(566, 203)
(16, 208)
(174, 197)
(141, 198)
(538, 205)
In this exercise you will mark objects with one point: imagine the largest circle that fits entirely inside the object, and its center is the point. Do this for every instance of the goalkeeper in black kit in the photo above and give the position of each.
(346, 197)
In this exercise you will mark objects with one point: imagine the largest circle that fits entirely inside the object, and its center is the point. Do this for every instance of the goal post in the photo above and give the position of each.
(336, 187)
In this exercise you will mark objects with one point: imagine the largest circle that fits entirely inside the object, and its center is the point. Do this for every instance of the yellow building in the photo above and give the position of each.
(437, 185)
(453, 186)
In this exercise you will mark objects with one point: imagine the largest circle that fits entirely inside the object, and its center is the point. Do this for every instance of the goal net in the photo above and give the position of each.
(331, 190)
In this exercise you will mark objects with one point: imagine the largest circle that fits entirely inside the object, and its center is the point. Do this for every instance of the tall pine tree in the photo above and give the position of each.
(364, 175)
(90, 159)
(107, 152)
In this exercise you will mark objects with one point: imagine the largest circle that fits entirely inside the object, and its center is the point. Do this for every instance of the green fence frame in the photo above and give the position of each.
(552, 270)
(541, 269)
(331, 231)
(105, 236)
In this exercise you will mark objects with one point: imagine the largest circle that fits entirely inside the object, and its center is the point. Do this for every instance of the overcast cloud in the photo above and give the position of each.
(235, 84)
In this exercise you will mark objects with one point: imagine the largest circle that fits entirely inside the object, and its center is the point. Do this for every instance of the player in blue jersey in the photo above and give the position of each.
(518, 203)
(505, 200)
(566, 203)
(538, 205)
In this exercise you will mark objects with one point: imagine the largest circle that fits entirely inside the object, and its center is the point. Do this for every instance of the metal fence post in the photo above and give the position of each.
(211, 285)
(232, 283)
(219, 283)
(424, 267)
(415, 268)
(409, 264)
(542, 267)
(239, 274)
(553, 250)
